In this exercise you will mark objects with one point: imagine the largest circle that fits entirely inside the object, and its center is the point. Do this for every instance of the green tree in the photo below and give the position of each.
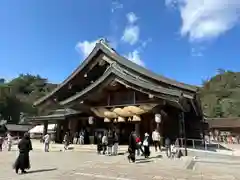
(220, 95)
(18, 95)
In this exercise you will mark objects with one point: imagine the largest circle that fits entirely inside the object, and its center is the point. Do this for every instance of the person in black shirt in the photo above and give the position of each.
(24, 146)
(132, 146)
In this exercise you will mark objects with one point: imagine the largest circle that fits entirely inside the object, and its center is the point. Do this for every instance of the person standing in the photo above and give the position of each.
(99, 143)
(66, 141)
(9, 142)
(110, 143)
(146, 143)
(1, 143)
(104, 142)
(115, 144)
(132, 146)
(46, 142)
(81, 137)
(22, 162)
(168, 148)
(156, 139)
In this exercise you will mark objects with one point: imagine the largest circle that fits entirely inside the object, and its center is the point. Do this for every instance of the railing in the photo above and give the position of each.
(198, 144)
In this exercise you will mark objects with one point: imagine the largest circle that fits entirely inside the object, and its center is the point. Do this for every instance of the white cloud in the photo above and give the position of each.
(206, 19)
(85, 47)
(116, 5)
(135, 57)
(131, 34)
(132, 18)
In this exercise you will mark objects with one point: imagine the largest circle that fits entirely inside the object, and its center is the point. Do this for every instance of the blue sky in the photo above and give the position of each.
(181, 39)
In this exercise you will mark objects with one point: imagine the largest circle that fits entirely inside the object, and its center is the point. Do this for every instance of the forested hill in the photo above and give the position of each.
(18, 95)
(221, 95)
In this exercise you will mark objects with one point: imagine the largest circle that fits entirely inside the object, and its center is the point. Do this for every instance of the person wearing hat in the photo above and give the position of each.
(22, 162)
(146, 144)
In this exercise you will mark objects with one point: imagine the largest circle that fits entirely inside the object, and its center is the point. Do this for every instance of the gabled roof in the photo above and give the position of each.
(101, 46)
(58, 114)
(113, 73)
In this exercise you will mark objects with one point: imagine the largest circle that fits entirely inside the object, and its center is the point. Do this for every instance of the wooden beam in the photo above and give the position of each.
(123, 105)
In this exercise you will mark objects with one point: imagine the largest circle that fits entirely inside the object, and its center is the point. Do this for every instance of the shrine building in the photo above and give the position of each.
(107, 90)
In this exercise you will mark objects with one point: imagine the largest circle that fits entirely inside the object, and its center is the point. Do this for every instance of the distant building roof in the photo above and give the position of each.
(233, 122)
(58, 114)
(18, 127)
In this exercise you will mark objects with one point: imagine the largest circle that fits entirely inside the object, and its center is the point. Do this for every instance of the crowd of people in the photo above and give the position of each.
(107, 144)
(6, 141)
(24, 145)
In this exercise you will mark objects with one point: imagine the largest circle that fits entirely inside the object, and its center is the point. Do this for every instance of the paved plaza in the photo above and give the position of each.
(88, 166)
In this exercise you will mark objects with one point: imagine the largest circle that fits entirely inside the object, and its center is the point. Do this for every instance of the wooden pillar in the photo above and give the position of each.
(137, 128)
(58, 138)
(45, 127)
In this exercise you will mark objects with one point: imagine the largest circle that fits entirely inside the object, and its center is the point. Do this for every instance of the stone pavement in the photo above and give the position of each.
(88, 166)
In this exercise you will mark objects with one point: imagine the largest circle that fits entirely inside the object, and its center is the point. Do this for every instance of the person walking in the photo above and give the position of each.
(132, 146)
(66, 141)
(146, 144)
(23, 162)
(46, 139)
(139, 145)
(156, 140)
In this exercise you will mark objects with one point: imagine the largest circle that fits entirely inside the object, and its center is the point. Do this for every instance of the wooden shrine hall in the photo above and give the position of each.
(107, 90)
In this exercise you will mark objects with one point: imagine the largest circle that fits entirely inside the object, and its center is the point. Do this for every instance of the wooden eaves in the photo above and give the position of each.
(100, 46)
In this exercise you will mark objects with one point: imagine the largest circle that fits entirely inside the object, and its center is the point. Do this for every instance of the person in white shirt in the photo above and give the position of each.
(156, 139)
(173, 151)
(46, 139)
(9, 142)
(104, 142)
(81, 137)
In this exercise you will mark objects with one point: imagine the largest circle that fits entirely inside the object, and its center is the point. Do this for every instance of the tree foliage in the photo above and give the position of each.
(18, 95)
(221, 95)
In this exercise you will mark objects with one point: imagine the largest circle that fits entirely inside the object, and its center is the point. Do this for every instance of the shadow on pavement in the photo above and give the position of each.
(143, 161)
(152, 157)
(41, 170)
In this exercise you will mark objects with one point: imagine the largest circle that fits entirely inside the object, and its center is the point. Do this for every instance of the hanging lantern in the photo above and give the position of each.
(107, 120)
(158, 118)
(90, 120)
(136, 118)
(120, 119)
